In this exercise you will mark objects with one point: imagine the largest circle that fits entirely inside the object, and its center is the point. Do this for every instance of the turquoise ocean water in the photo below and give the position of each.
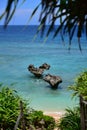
(18, 49)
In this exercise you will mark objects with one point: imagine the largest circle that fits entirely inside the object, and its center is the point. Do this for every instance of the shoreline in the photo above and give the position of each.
(56, 115)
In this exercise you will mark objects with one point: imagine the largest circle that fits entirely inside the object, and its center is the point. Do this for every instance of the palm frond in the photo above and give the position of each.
(34, 11)
(9, 16)
(86, 27)
(69, 12)
(9, 12)
(60, 27)
(79, 44)
(2, 15)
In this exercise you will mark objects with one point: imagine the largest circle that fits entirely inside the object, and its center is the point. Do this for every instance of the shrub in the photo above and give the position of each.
(71, 120)
(10, 110)
(39, 120)
(80, 85)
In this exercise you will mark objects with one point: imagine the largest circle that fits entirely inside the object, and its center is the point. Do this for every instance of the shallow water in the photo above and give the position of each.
(18, 50)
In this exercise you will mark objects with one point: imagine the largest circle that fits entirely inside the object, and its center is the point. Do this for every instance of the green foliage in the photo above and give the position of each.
(38, 119)
(71, 120)
(9, 108)
(80, 85)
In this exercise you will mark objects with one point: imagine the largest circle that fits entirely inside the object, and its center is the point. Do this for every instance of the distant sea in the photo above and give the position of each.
(20, 46)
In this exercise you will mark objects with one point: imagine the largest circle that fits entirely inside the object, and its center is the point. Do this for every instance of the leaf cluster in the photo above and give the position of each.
(71, 120)
(9, 108)
(39, 120)
(80, 85)
(72, 15)
(9, 11)
(10, 111)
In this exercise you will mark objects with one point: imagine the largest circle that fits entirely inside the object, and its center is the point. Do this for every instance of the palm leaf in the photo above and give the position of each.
(60, 27)
(86, 27)
(79, 44)
(8, 12)
(2, 15)
(50, 29)
(34, 11)
(10, 17)
(73, 29)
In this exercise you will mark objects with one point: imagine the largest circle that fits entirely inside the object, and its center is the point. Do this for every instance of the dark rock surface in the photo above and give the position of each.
(36, 71)
(45, 66)
(53, 80)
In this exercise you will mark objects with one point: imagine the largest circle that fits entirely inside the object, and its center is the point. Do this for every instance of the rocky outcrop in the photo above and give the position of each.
(53, 80)
(45, 66)
(36, 71)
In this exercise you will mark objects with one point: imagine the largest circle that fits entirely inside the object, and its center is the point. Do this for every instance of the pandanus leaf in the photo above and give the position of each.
(8, 12)
(34, 11)
(60, 27)
(86, 28)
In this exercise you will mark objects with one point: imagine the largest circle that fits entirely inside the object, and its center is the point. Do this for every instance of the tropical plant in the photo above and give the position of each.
(38, 119)
(9, 108)
(72, 15)
(9, 10)
(10, 112)
(80, 85)
(71, 120)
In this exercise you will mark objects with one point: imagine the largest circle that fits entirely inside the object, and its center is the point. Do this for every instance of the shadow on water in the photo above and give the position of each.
(31, 76)
(34, 77)
(58, 87)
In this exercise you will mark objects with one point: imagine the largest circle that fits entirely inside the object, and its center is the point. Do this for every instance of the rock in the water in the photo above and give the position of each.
(45, 66)
(36, 71)
(53, 80)
(31, 67)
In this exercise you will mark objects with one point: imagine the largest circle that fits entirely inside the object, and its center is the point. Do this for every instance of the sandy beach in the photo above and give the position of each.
(55, 115)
